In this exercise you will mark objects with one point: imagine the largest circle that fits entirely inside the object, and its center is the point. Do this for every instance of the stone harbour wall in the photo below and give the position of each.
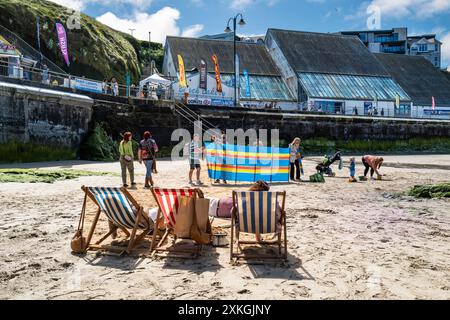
(43, 116)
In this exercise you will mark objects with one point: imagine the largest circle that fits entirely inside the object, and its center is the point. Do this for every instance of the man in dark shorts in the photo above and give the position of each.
(195, 149)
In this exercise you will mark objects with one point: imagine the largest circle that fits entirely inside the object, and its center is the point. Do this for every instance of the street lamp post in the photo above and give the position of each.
(228, 30)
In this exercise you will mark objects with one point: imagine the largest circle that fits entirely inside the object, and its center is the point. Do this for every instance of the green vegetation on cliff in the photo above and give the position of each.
(96, 51)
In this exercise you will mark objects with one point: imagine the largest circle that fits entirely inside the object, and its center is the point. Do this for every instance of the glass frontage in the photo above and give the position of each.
(332, 107)
(403, 110)
(261, 87)
(335, 86)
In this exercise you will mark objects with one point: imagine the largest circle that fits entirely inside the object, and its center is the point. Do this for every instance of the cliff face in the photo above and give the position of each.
(96, 51)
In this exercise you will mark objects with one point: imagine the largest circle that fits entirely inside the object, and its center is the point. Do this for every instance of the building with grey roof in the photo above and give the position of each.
(421, 81)
(398, 41)
(334, 73)
(266, 83)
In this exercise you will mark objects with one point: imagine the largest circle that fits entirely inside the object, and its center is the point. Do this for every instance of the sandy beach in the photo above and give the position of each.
(345, 241)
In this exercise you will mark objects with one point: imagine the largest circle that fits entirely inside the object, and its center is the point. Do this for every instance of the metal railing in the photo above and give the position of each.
(27, 50)
(56, 80)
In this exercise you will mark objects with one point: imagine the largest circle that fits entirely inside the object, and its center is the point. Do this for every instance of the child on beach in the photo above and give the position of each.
(352, 170)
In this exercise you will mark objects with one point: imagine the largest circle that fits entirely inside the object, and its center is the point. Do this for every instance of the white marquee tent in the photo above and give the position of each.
(155, 79)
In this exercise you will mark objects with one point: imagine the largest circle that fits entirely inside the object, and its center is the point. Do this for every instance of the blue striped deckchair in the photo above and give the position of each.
(259, 213)
(123, 212)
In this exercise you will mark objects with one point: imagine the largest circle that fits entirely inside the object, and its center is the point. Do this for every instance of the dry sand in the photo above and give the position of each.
(345, 241)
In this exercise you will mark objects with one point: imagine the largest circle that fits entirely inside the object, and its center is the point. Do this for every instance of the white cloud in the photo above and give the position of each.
(192, 31)
(242, 4)
(446, 50)
(161, 24)
(72, 4)
(399, 9)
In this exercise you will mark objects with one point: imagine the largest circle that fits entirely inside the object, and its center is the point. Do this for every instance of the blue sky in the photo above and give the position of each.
(199, 17)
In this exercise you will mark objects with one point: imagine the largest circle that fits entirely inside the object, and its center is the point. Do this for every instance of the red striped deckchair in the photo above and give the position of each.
(123, 212)
(168, 203)
(259, 213)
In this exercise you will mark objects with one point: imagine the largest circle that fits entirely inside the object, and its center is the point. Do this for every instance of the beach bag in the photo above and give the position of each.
(201, 231)
(185, 217)
(225, 207)
(78, 243)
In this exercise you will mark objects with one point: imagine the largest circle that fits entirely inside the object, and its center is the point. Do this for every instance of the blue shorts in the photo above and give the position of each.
(148, 166)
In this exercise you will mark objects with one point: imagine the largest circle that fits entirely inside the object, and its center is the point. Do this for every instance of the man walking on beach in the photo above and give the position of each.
(194, 159)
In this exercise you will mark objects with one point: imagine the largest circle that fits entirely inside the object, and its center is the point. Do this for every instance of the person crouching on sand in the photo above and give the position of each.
(373, 164)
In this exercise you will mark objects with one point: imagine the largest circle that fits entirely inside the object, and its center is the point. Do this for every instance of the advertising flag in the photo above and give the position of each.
(248, 93)
(38, 33)
(182, 76)
(203, 75)
(62, 37)
(217, 70)
(397, 101)
(433, 103)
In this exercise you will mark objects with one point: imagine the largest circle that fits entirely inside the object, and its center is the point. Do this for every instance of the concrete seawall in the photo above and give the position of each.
(162, 120)
(43, 116)
(51, 117)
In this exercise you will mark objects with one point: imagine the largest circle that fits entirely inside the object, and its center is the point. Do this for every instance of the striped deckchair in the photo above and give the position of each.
(123, 212)
(259, 213)
(168, 203)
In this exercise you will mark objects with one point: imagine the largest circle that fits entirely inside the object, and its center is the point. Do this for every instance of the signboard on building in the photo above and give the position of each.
(6, 48)
(88, 85)
(205, 101)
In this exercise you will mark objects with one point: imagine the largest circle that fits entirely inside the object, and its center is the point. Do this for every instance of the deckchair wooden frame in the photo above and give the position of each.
(280, 240)
(134, 239)
(157, 247)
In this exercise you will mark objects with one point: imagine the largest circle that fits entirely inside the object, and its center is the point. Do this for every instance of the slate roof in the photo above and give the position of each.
(253, 57)
(326, 53)
(418, 77)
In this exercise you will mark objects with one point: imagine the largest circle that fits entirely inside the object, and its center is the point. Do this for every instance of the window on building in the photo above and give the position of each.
(332, 107)
(403, 110)
(436, 48)
(423, 47)
(363, 37)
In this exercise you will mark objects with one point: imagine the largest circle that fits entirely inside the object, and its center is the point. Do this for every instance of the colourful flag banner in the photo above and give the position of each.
(397, 101)
(203, 75)
(433, 103)
(217, 70)
(62, 37)
(248, 93)
(247, 164)
(182, 73)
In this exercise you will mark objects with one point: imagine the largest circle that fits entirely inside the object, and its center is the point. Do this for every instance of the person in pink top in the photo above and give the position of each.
(373, 164)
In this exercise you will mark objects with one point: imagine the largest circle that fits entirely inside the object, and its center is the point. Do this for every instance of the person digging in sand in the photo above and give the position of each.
(373, 164)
